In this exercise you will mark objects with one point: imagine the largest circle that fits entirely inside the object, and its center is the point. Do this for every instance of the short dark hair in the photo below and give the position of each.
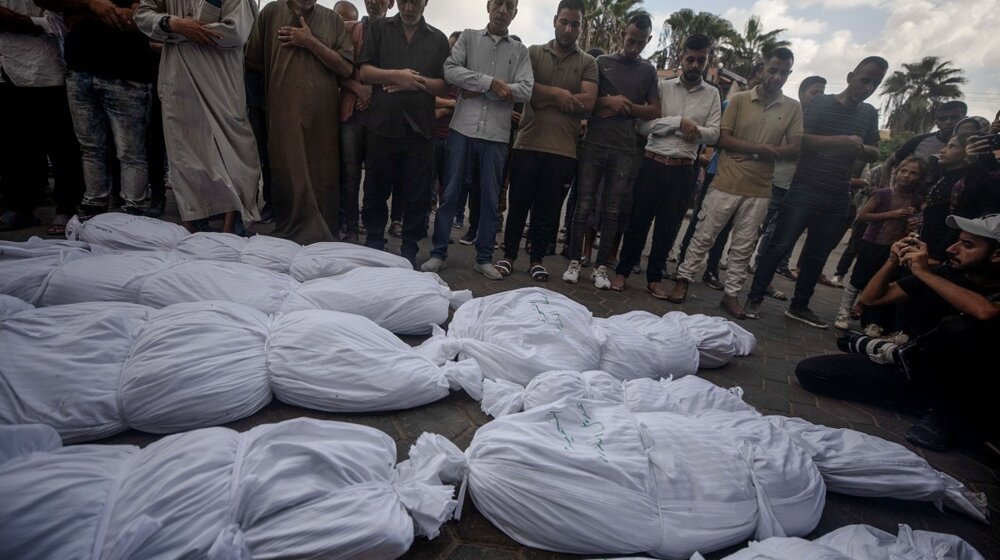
(596, 52)
(574, 5)
(953, 105)
(642, 21)
(810, 82)
(781, 53)
(698, 42)
(882, 63)
(455, 34)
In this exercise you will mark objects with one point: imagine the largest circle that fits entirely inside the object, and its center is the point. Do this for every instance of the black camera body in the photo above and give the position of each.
(993, 138)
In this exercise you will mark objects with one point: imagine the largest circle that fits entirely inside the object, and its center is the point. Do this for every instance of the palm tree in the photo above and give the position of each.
(914, 94)
(742, 51)
(604, 22)
(684, 23)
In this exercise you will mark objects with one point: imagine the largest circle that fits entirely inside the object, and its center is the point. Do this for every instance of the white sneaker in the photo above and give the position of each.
(873, 330)
(433, 264)
(837, 279)
(600, 277)
(572, 274)
(488, 270)
(843, 321)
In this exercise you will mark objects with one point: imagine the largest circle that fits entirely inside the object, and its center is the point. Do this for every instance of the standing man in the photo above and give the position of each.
(543, 161)
(403, 60)
(610, 157)
(494, 73)
(761, 126)
(302, 49)
(214, 165)
(839, 130)
(35, 117)
(691, 112)
(355, 111)
(110, 67)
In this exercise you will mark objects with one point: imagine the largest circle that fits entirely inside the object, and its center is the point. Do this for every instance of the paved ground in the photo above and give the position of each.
(767, 378)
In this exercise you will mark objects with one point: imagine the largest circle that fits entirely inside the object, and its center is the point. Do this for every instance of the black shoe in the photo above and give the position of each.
(133, 211)
(156, 208)
(468, 239)
(396, 229)
(934, 432)
(805, 315)
(712, 281)
(783, 271)
(86, 212)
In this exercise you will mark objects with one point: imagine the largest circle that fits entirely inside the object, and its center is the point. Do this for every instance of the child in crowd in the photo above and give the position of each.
(887, 213)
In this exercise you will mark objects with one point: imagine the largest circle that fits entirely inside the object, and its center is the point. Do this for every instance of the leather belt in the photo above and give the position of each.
(672, 161)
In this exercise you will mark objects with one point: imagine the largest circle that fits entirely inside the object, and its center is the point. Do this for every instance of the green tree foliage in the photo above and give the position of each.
(913, 94)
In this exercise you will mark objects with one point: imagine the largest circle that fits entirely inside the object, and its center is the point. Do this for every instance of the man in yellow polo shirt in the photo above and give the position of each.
(759, 127)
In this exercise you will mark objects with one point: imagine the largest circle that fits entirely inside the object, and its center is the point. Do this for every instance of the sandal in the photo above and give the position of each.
(504, 267)
(776, 293)
(618, 283)
(58, 225)
(538, 273)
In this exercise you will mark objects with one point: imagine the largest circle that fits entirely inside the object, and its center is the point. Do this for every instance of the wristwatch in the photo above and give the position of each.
(165, 24)
(755, 156)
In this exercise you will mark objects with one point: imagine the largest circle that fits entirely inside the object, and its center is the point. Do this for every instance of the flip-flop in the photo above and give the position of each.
(504, 267)
(58, 225)
(538, 273)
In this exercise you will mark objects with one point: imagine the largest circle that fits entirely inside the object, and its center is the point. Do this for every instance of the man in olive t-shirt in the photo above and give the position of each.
(543, 162)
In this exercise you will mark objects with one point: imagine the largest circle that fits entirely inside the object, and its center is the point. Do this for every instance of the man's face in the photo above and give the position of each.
(304, 5)
(775, 74)
(972, 253)
(635, 40)
(811, 92)
(693, 65)
(378, 8)
(863, 82)
(410, 11)
(946, 120)
(501, 12)
(567, 24)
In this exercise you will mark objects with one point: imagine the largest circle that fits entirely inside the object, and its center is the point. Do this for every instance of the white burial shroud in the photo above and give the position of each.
(402, 300)
(91, 370)
(301, 488)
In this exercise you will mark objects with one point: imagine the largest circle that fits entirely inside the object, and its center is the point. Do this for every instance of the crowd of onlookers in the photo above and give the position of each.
(340, 128)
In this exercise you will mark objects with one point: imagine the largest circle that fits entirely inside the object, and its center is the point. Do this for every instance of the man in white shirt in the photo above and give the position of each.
(35, 116)
(691, 112)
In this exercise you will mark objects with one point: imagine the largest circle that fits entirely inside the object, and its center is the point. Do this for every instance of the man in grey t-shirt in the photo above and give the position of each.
(610, 157)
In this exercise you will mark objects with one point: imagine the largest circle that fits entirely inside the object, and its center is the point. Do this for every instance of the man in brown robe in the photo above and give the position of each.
(300, 49)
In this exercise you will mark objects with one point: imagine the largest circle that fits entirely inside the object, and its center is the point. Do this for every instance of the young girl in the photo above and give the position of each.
(886, 212)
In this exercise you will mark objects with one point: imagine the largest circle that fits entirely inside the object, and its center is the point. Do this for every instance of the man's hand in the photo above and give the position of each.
(915, 257)
(566, 101)
(976, 148)
(156, 47)
(897, 248)
(364, 94)
(502, 90)
(689, 130)
(406, 80)
(108, 13)
(763, 151)
(614, 105)
(301, 37)
(853, 144)
(194, 31)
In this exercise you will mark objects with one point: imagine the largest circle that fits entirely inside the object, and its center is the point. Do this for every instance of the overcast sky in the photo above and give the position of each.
(828, 36)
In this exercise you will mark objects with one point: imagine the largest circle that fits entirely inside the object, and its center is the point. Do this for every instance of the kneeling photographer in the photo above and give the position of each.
(952, 323)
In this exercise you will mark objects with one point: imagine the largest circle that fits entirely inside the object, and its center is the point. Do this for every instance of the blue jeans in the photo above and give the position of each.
(466, 153)
(121, 107)
(821, 213)
(770, 223)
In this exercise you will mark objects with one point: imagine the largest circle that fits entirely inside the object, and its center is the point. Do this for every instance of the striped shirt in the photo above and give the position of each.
(825, 116)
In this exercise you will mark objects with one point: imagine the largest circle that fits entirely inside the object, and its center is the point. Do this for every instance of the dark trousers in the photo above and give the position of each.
(853, 245)
(715, 255)
(156, 149)
(823, 215)
(406, 164)
(537, 183)
(948, 376)
(352, 159)
(36, 125)
(770, 223)
(661, 193)
(612, 170)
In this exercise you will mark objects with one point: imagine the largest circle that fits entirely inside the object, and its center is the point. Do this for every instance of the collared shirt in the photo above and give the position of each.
(701, 104)
(478, 58)
(386, 47)
(549, 129)
(747, 118)
(33, 60)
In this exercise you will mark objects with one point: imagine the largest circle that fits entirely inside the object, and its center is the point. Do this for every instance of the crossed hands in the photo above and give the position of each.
(615, 105)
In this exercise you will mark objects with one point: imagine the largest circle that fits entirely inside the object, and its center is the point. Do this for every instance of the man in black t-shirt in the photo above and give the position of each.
(110, 67)
(953, 328)
(839, 130)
